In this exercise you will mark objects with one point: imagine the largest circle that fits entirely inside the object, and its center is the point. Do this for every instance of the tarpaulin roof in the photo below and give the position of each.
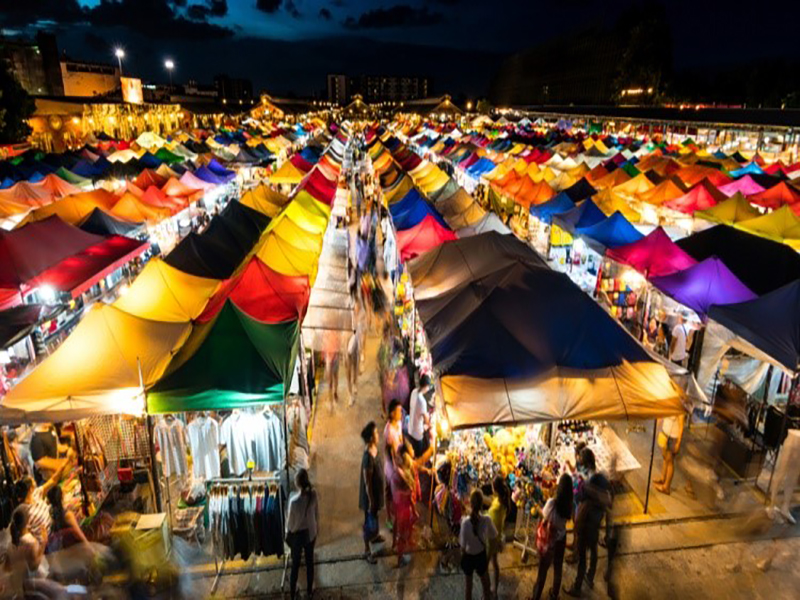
(411, 210)
(702, 285)
(746, 185)
(654, 255)
(164, 293)
(762, 265)
(584, 215)
(73, 209)
(287, 173)
(99, 368)
(776, 196)
(580, 190)
(265, 200)
(262, 294)
(229, 362)
(18, 322)
(460, 209)
(424, 236)
(399, 189)
(490, 222)
(612, 232)
(734, 209)
(781, 225)
(132, 209)
(28, 251)
(100, 222)
(560, 203)
(701, 197)
(771, 323)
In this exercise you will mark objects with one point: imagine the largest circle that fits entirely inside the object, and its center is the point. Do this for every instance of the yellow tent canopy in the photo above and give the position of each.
(130, 208)
(287, 173)
(781, 225)
(734, 209)
(265, 200)
(163, 293)
(281, 256)
(99, 369)
(638, 185)
(609, 202)
(73, 209)
(398, 191)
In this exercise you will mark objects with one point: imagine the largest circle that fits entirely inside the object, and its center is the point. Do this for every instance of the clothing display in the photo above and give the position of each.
(203, 434)
(171, 437)
(246, 519)
(253, 437)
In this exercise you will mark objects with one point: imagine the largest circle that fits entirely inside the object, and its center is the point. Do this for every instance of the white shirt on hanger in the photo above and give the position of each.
(234, 434)
(204, 439)
(171, 437)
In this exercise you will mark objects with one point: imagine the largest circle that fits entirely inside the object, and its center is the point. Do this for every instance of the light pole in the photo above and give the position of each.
(169, 65)
(120, 54)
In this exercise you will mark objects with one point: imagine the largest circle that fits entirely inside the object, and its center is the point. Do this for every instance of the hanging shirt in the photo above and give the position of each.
(417, 410)
(203, 434)
(171, 438)
(270, 450)
(235, 434)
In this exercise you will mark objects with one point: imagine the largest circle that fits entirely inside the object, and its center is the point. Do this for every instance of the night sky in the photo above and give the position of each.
(290, 45)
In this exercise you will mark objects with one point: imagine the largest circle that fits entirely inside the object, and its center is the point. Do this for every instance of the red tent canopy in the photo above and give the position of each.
(702, 196)
(320, 187)
(425, 235)
(79, 272)
(654, 255)
(301, 163)
(776, 196)
(262, 294)
(155, 197)
(33, 248)
(149, 177)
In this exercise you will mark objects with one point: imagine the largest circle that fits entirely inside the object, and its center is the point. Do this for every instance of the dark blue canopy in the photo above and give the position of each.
(149, 161)
(771, 323)
(560, 203)
(411, 210)
(585, 215)
(612, 232)
(580, 190)
(208, 175)
(215, 167)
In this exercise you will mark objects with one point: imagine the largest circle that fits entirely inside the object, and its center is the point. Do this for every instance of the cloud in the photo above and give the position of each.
(291, 8)
(268, 6)
(28, 12)
(325, 14)
(159, 20)
(96, 43)
(210, 8)
(338, 3)
(400, 15)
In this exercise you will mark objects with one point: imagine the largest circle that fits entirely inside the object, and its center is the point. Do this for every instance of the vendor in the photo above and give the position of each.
(36, 497)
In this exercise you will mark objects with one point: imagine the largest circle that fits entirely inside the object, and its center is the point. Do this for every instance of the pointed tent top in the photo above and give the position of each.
(734, 209)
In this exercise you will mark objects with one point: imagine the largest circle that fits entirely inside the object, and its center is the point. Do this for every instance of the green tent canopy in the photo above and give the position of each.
(168, 157)
(75, 180)
(229, 362)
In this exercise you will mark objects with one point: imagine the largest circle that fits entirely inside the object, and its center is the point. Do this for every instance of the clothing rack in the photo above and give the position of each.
(219, 564)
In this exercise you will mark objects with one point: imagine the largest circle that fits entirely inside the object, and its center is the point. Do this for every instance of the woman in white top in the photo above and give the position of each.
(557, 511)
(302, 516)
(477, 531)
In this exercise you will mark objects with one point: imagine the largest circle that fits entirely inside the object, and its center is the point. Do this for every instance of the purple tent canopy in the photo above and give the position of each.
(707, 283)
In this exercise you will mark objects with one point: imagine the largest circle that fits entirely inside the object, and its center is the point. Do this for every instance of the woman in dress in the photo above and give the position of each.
(557, 511)
(405, 494)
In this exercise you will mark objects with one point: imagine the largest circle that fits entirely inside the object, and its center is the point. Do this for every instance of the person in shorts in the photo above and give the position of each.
(477, 534)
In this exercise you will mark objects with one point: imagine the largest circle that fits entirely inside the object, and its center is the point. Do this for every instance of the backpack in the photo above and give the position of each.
(544, 537)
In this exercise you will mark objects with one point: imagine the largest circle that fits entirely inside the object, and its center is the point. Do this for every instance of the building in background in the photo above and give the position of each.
(84, 79)
(35, 64)
(337, 89)
(377, 88)
(234, 90)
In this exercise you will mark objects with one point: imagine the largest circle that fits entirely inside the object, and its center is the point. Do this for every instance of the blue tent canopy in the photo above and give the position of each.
(560, 203)
(411, 210)
(751, 169)
(612, 232)
(771, 323)
(149, 161)
(580, 190)
(484, 165)
(215, 167)
(208, 175)
(585, 215)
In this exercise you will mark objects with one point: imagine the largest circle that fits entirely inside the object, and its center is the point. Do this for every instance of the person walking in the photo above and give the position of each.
(393, 440)
(557, 511)
(477, 532)
(370, 490)
(302, 516)
(594, 502)
(419, 422)
(498, 512)
(405, 494)
(669, 440)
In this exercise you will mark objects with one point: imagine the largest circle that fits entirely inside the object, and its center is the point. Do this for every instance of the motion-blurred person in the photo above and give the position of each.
(332, 357)
(302, 516)
(557, 511)
(498, 512)
(669, 440)
(405, 495)
(370, 490)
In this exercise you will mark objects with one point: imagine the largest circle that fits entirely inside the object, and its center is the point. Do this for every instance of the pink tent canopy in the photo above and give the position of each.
(701, 197)
(746, 185)
(190, 180)
(425, 235)
(654, 255)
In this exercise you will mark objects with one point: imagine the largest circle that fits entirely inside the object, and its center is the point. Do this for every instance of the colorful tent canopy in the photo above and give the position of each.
(132, 209)
(584, 215)
(701, 197)
(163, 293)
(262, 294)
(728, 212)
(781, 225)
(612, 232)
(265, 200)
(460, 209)
(654, 255)
(776, 196)
(762, 265)
(746, 185)
(702, 285)
(288, 173)
(99, 369)
(100, 222)
(424, 236)
(229, 362)
(560, 203)
(411, 210)
(771, 323)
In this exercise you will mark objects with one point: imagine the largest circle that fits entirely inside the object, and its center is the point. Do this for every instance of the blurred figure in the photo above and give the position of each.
(352, 362)
(370, 490)
(669, 440)
(476, 533)
(498, 512)
(332, 356)
(405, 494)
(302, 516)
(557, 511)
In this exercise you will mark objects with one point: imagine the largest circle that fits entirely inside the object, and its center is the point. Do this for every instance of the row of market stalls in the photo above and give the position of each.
(653, 232)
(207, 337)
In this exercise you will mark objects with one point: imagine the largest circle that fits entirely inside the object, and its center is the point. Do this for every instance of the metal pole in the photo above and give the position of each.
(650, 468)
(153, 469)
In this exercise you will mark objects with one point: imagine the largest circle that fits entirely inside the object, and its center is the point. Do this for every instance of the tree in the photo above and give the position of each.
(483, 107)
(16, 107)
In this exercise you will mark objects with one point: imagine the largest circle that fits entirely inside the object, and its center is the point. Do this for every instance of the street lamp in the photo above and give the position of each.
(169, 65)
(120, 54)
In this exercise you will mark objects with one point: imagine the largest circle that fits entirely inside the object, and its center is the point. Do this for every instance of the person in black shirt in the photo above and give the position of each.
(594, 501)
(370, 489)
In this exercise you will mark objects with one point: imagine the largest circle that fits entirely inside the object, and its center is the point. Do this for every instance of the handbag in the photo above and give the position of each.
(544, 537)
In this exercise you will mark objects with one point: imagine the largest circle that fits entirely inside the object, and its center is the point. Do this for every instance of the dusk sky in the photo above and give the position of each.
(290, 45)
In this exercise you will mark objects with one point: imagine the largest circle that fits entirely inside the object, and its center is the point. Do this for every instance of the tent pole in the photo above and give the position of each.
(153, 469)
(650, 468)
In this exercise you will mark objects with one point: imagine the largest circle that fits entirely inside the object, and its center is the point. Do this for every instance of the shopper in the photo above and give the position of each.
(594, 502)
(477, 531)
(678, 347)
(25, 563)
(370, 490)
(352, 360)
(405, 494)
(669, 440)
(302, 516)
(393, 441)
(419, 422)
(498, 512)
(557, 511)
